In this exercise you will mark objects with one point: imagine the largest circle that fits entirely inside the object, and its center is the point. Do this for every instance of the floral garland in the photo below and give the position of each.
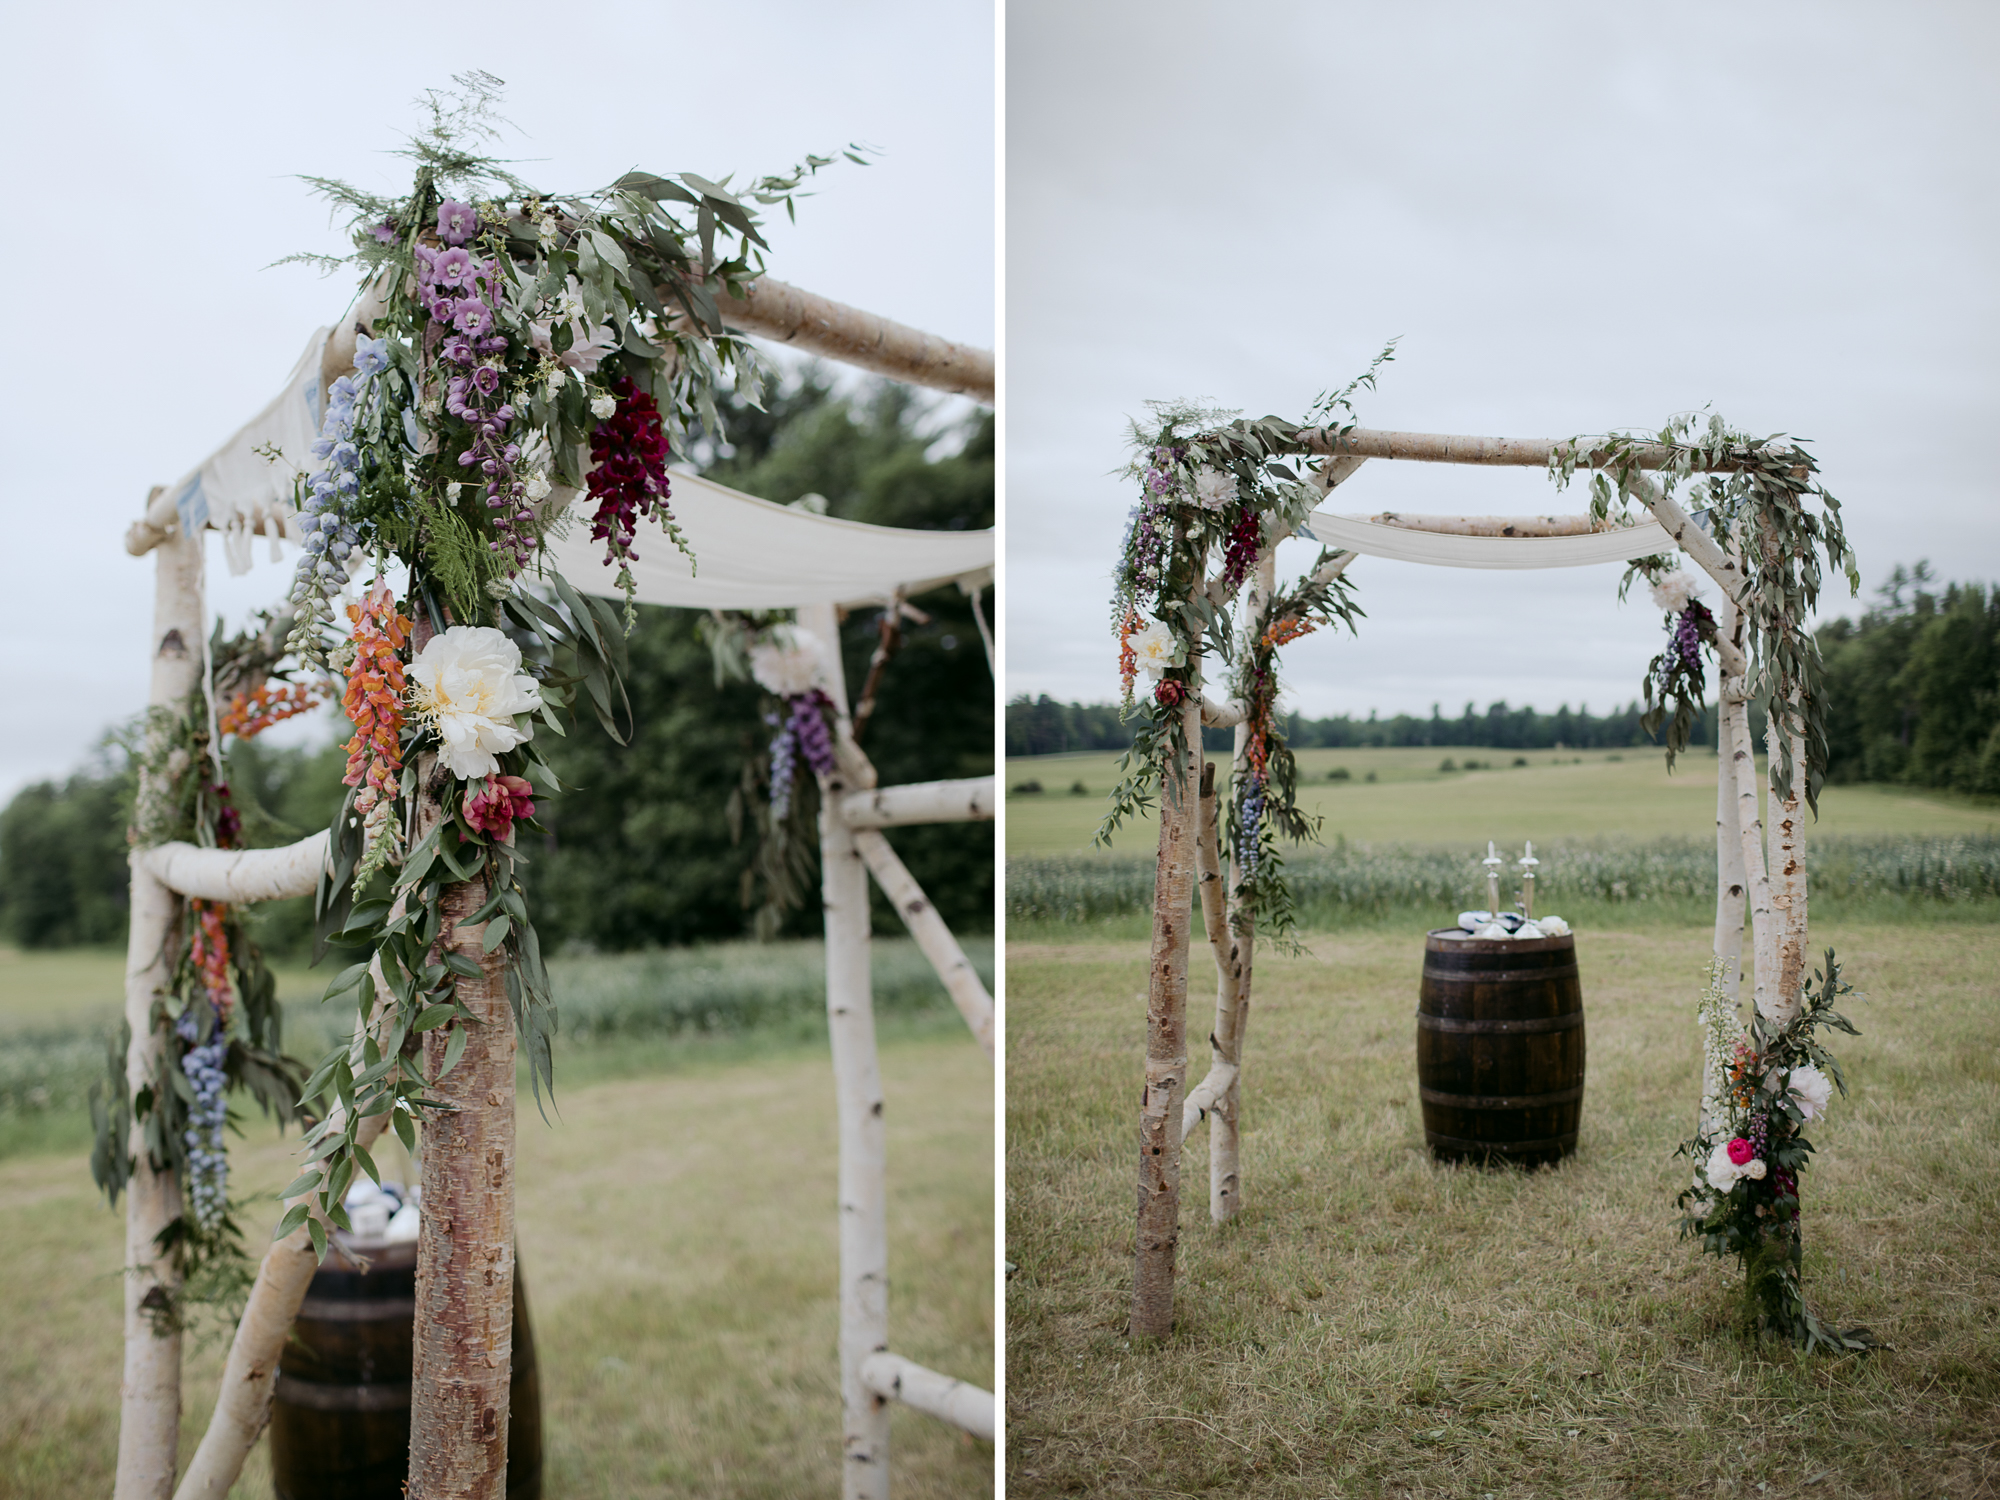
(220, 1008)
(1776, 1080)
(771, 796)
(1678, 674)
(525, 350)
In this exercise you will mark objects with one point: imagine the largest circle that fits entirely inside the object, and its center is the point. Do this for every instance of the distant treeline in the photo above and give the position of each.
(1913, 696)
(1042, 726)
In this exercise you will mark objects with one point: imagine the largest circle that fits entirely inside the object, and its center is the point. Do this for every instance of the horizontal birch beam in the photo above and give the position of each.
(1201, 1099)
(1444, 448)
(967, 801)
(894, 1378)
(1488, 525)
(771, 309)
(954, 970)
(1221, 715)
(238, 875)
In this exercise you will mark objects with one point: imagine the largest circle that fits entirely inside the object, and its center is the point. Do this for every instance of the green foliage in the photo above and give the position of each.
(62, 860)
(1337, 884)
(1913, 687)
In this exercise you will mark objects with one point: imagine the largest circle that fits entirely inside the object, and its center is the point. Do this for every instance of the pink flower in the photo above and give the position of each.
(472, 316)
(457, 223)
(493, 809)
(1740, 1151)
(454, 268)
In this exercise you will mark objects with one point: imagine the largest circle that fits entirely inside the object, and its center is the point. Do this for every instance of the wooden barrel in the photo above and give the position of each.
(1500, 1048)
(340, 1420)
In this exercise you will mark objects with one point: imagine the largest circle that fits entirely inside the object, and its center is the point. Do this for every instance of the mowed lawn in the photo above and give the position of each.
(678, 1234)
(1376, 1323)
(1571, 795)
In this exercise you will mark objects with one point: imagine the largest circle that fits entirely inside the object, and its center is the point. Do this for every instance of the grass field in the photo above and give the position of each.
(1378, 1324)
(1575, 795)
(677, 1229)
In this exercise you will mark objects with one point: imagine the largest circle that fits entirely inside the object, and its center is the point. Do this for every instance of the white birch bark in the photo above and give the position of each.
(250, 1375)
(966, 801)
(1215, 926)
(954, 970)
(1158, 1231)
(238, 876)
(954, 1401)
(150, 1394)
(1786, 837)
(850, 1010)
(463, 1356)
(1731, 882)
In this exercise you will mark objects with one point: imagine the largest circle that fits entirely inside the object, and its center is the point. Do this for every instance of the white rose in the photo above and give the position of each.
(787, 662)
(1674, 592)
(1552, 926)
(538, 487)
(1810, 1089)
(1155, 647)
(1754, 1169)
(603, 406)
(1215, 488)
(1722, 1172)
(468, 685)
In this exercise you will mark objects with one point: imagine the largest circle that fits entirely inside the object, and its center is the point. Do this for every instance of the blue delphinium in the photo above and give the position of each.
(207, 1154)
(332, 544)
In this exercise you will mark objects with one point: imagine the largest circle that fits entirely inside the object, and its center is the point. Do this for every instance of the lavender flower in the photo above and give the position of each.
(457, 222)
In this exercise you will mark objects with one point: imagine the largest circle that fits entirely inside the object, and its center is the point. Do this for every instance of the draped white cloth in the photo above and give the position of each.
(1445, 549)
(749, 553)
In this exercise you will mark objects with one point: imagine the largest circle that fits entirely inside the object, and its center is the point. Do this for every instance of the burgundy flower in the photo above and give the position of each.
(1170, 693)
(630, 451)
(494, 809)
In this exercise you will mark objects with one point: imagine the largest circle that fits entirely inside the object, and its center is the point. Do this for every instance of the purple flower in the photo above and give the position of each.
(454, 395)
(472, 316)
(371, 356)
(457, 223)
(458, 349)
(487, 379)
(385, 232)
(454, 268)
(426, 264)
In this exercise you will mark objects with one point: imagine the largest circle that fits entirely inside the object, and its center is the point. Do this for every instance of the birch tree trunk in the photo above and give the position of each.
(1225, 1179)
(1731, 883)
(1166, 1036)
(850, 1012)
(463, 1355)
(150, 1394)
(1788, 872)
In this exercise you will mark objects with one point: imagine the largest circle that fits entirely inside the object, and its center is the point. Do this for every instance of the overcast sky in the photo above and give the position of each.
(150, 154)
(1577, 216)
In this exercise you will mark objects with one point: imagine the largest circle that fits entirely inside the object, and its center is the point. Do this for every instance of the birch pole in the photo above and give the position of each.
(1787, 866)
(463, 1355)
(1166, 1034)
(1225, 1182)
(1731, 883)
(850, 1012)
(149, 1418)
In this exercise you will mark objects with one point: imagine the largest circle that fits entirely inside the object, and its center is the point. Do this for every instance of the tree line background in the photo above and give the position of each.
(1913, 689)
(638, 850)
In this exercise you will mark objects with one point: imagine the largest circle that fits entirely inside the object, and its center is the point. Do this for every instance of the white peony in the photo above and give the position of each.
(1156, 648)
(1810, 1089)
(468, 685)
(787, 662)
(1754, 1169)
(1722, 1172)
(1675, 592)
(1215, 488)
(1552, 926)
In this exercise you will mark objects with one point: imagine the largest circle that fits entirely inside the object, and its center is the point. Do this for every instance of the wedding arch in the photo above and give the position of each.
(560, 340)
(1231, 491)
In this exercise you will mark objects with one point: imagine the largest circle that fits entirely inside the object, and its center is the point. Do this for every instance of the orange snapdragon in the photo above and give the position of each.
(210, 951)
(253, 712)
(374, 698)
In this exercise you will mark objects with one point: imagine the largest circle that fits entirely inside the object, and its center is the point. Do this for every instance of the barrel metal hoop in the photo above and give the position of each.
(1498, 1026)
(313, 1396)
(1500, 1101)
(1500, 976)
(1504, 1148)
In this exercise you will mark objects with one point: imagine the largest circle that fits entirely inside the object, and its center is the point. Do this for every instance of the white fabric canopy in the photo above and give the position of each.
(749, 553)
(752, 554)
(1446, 549)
